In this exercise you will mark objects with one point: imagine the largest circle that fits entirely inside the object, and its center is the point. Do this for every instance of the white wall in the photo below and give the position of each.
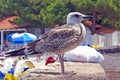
(104, 40)
(113, 39)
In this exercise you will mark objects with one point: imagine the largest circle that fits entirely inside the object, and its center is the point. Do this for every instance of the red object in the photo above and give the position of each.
(50, 60)
(99, 28)
(1, 65)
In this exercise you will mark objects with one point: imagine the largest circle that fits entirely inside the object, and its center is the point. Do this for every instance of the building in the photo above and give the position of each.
(8, 27)
(103, 36)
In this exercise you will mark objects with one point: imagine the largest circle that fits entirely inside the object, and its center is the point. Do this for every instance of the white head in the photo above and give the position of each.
(76, 17)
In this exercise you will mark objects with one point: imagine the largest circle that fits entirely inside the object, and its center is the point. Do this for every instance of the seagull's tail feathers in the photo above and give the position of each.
(29, 49)
(19, 52)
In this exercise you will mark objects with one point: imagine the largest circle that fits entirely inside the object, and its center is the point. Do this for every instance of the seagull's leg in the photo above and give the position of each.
(61, 62)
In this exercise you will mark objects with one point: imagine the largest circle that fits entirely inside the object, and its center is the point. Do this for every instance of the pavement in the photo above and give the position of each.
(73, 71)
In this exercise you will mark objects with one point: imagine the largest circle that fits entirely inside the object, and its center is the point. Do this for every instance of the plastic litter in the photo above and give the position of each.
(9, 76)
(21, 66)
(12, 70)
(8, 64)
(83, 53)
(2, 75)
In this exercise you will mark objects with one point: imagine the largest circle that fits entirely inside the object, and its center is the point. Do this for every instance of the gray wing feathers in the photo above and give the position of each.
(56, 39)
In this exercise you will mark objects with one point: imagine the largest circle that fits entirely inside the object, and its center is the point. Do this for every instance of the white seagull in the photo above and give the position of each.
(64, 38)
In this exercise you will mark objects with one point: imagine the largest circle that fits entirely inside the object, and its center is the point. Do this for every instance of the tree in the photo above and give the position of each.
(44, 13)
(105, 12)
(37, 13)
(5, 9)
(54, 13)
(27, 10)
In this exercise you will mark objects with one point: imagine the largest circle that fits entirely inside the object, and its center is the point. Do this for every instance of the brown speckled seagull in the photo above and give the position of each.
(59, 40)
(64, 38)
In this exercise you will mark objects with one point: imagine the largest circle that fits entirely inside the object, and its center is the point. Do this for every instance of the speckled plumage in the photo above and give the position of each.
(64, 38)
(61, 39)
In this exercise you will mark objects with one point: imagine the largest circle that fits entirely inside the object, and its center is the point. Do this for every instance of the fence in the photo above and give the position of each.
(105, 40)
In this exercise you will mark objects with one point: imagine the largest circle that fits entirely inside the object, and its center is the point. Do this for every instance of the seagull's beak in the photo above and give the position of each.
(88, 17)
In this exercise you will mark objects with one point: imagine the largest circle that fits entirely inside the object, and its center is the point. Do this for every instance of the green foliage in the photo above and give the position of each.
(5, 9)
(108, 10)
(54, 13)
(105, 22)
(44, 13)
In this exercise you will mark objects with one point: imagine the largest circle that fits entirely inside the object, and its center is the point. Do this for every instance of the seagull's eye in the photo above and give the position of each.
(76, 15)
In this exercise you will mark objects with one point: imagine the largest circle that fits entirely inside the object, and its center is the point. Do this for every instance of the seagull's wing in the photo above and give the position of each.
(57, 39)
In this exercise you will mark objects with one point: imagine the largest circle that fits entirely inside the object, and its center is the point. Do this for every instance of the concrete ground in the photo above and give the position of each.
(74, 71)
(111, 65)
